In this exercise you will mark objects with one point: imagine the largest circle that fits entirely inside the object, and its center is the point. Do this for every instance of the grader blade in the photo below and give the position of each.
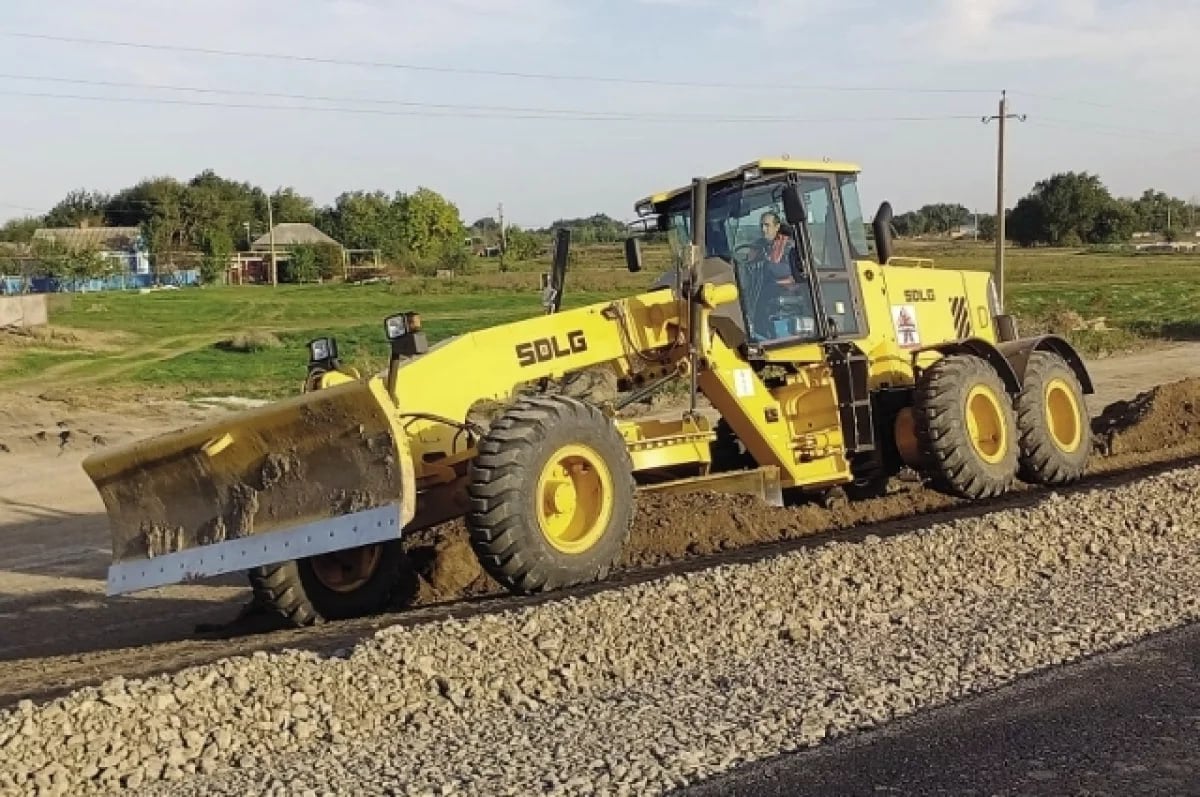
(324, 471)
(761, 483)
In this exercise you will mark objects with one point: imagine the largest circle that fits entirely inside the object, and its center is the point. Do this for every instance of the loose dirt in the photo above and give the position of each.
(1160, 418)
(54, 535)
(1160, 423)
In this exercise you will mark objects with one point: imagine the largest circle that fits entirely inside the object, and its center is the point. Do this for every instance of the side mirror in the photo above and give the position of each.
(793, 206)
(882, 227)
(633, 254)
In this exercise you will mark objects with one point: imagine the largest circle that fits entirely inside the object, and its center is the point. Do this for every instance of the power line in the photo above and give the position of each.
(1100, 126)
(1108, 106)
(178, 48)
(581, 112)
(455, 114)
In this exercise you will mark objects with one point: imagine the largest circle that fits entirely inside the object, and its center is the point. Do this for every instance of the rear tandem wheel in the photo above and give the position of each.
(966, 427)
(1053, 422)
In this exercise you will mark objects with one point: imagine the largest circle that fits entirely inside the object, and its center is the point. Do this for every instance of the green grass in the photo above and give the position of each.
(182, 339)
(173, 339)
(1141, 298)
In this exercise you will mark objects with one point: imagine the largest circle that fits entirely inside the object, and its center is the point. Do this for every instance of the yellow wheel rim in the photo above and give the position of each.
(1062, 415)
(346, 571)
(574, 498)
(985, 425)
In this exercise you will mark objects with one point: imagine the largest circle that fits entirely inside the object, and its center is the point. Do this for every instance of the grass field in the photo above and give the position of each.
(251, 340)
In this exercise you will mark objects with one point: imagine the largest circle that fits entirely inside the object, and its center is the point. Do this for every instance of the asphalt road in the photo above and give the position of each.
(1126, 723)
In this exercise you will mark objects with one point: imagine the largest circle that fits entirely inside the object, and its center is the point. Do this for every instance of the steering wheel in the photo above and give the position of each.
(744, 254)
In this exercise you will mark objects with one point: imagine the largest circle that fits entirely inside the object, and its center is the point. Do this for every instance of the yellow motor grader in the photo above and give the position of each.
(826, 362)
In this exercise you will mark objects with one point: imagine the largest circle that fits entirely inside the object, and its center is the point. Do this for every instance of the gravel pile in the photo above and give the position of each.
(654, 686)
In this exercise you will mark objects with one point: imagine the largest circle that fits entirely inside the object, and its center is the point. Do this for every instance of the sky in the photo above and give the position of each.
(605, 101)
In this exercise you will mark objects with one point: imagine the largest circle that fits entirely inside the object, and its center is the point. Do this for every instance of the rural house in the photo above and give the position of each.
(124, 245)
(124, 250)
(254, 266)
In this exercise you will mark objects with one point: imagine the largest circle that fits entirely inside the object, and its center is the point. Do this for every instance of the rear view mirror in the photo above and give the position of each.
(633, 254)
(793, 206)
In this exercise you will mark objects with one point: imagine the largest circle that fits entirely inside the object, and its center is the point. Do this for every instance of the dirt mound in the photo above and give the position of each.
(1159, 419)
(670, 528)
(667, 528)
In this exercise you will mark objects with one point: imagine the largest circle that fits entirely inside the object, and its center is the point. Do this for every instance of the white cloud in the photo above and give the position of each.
(1147, 33)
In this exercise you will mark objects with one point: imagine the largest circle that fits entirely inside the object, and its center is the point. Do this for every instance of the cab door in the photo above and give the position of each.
(833, 265)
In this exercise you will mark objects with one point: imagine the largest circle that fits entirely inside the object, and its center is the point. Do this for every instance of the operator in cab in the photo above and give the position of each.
(776, 307)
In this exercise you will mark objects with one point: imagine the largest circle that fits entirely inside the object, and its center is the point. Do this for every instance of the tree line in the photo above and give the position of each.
(205, 219)
(201, 222)
(1065, 209)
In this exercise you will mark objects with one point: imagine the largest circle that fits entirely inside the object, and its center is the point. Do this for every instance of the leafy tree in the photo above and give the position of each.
(213, 204)
(987, 226)
(522, 244)
(218, 248)
(430, 224)
(1067, 209)
(52, 258)
(78, 207)
(1026, 224)
(1115, 223)
(288, 206)
(302, 265)
(329, 260)
(597, 228)
(1155, 211)
(936, 219)
(20, 230)
(362, 220)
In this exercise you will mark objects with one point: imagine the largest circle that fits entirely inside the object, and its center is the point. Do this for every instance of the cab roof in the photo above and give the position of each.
(764, 165)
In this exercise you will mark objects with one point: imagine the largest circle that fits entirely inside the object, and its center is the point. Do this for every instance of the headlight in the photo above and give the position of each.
(400, 324)
(322, 349)
(395, 326)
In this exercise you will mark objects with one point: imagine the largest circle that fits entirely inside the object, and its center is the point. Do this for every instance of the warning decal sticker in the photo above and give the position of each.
(904, 319)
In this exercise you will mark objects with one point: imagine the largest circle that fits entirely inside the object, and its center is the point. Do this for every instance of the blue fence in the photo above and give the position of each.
(118, 282)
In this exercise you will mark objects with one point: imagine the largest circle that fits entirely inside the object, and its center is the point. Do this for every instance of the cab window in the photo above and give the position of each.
(856, 224)
(828, 254)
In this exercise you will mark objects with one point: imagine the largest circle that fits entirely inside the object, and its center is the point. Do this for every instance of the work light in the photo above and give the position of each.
(322, 350)
(395, 326)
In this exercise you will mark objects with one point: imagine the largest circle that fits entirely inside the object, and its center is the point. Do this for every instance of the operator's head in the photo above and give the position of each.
(770, 224)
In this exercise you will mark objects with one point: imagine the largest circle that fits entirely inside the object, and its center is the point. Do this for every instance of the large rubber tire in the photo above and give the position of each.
(1053, 423)
(523, 538)
(966, 427)
(295, 589)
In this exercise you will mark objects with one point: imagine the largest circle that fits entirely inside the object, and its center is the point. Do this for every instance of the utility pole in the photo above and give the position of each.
(1002, 116)
(271, 227)
(503, 240)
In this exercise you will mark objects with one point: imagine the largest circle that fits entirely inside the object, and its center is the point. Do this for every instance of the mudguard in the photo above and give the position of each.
(985, 350)
(1011, 358)
(1018, 351)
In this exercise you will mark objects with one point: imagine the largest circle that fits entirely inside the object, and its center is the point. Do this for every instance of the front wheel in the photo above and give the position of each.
(551, 495)
(334, 586)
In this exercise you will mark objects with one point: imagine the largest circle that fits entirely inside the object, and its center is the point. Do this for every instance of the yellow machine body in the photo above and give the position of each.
(815, 413)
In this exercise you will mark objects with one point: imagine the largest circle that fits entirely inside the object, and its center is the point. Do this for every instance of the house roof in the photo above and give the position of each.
(101, 238)
(294, 234)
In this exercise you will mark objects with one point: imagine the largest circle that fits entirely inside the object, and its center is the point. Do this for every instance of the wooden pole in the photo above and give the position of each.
(271, 228)
(1001, 117)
